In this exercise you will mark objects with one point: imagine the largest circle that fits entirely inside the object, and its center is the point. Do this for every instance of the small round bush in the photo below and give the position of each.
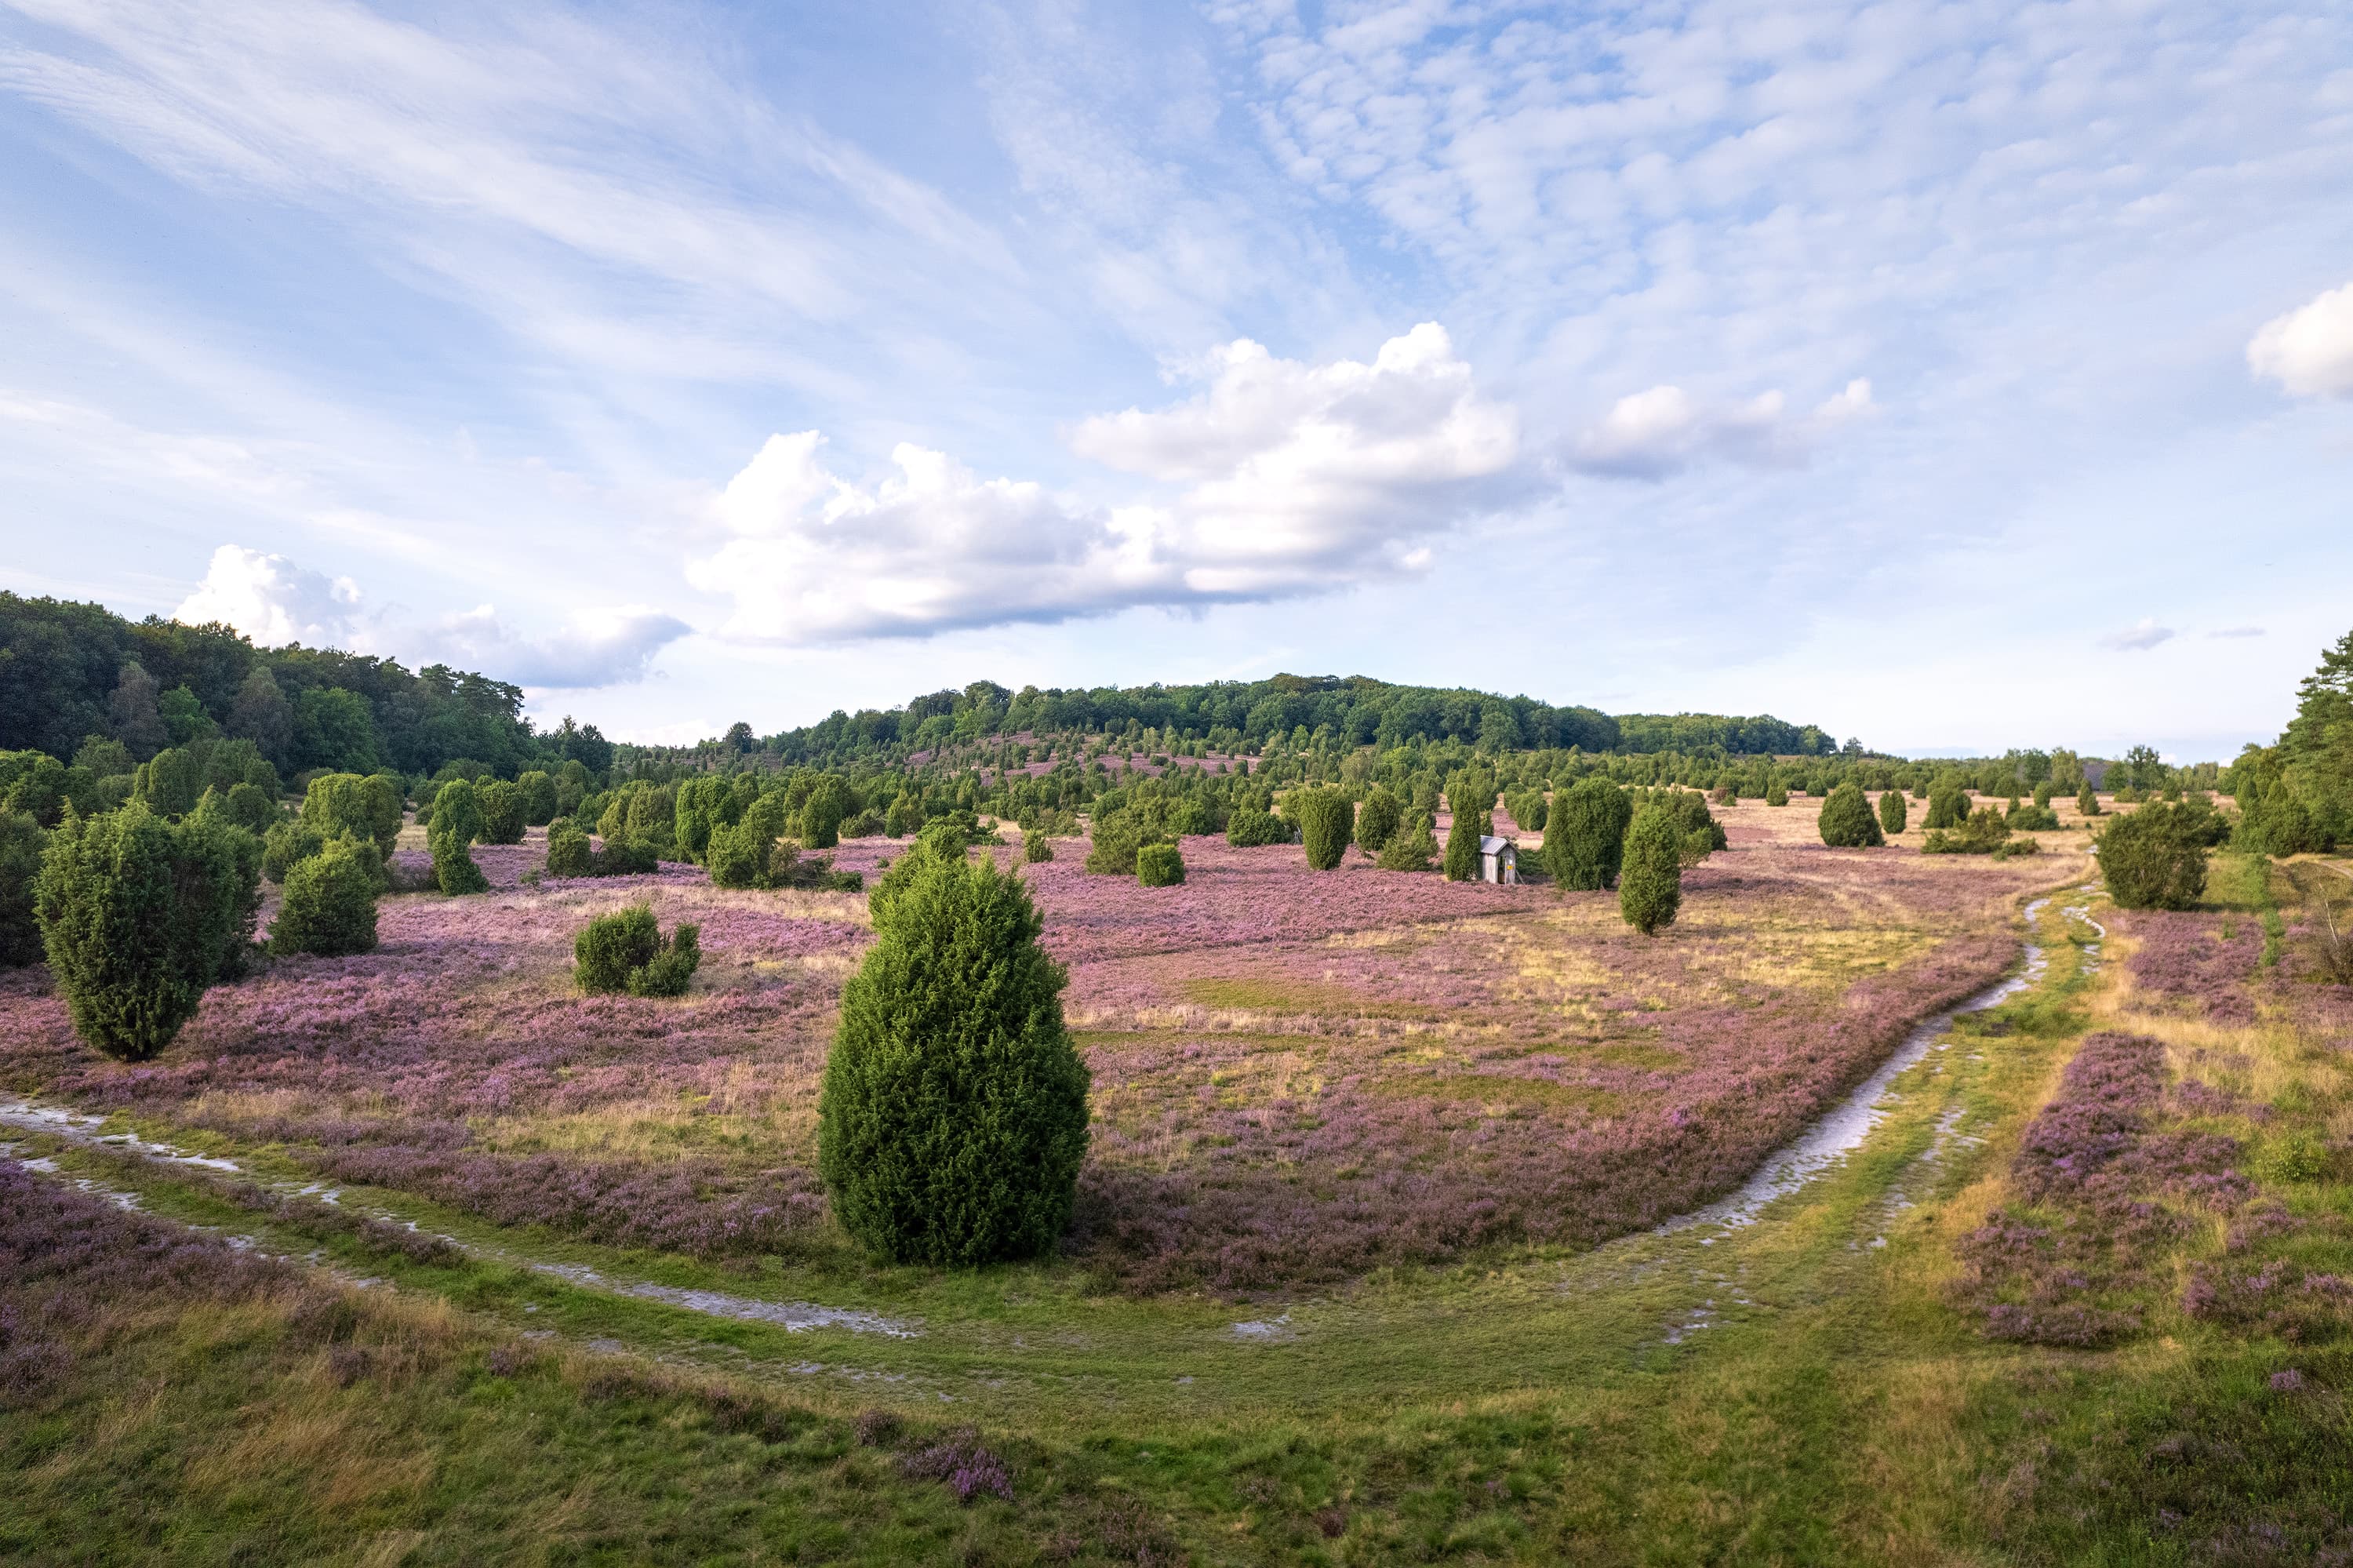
(1036, 847)
(250, 809)
(1252, 825)
(1948, 806)
(954, 1116)
(1585, 834)
(1893, 812)
(288, 843)
(2087, 802)
(626, 951)
(1159, 866)
(1776, 793)
(2154, 859)
(1650, 883)
(502, 807)
(1846, 820)
(1327, 822)
(569, 852)
(330, 906)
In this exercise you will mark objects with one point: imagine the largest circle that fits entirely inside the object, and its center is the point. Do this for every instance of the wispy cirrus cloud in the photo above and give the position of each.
(2140, 637)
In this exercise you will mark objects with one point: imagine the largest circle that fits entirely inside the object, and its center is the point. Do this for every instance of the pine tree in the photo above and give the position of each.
(953, 1115)
(1651, 885)
(1469, 795)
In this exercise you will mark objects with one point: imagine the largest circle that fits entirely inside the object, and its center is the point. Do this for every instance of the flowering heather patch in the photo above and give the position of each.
(1299, 1074)
(2198, 962)
(63, 1251)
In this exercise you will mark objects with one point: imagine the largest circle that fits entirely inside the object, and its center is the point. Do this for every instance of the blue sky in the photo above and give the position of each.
(1954, 375)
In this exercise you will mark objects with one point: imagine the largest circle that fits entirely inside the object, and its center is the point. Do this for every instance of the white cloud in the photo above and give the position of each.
(2309, 351)
(1649, 435)
(2140, 637)
(274, 602)
(610, 647)
(2237, 631)
(1296, 479)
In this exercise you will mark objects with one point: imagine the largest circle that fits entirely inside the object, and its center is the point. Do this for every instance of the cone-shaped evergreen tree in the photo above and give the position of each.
(1382, 814)
(1651, 885)
(2087, 801)
(953, 1115)
(1585, 833)
(1846, 822)
(1893, 812)
(1327, 820)
(457, 820)
(1470, 794)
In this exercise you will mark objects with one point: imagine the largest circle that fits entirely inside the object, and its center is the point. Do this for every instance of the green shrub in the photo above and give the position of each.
(954, 1116)
(1893, 812)
(1846, 822)
(330, 907)
(1159, 866)
(1651, 881)
(1776, 794)
(22, 840)
(1411, 848)
(570, 852)
(139, 917)
(250, 809)
(823, 813)
(1378, 820)
(1527, 808)
(949, 837)
(1327, 822)
(1036, 847)
(457, 812)
(626, 951)
(2030, 818)
(365, 806)
(1470, 795)
(2154, 859)
(1585, 835)
(2087, 802)
(502, 808)
(540, 797)
(625, 857)
(1947, 806)
(454, 871)
(2043, 793)
(1251, 825)
(1983, 832)
(1116, 838)
(288, 841)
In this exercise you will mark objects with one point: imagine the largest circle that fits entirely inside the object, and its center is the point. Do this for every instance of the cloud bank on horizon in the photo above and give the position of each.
(1750, 358)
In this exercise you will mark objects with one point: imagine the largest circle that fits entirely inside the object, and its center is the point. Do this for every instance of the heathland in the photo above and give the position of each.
(1420, 1218)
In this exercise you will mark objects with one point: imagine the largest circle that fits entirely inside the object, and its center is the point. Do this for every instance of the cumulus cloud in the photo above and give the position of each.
(610, 647)
(2309, 351)
(1653, 434)
(1286, 478)
(274, 601)
(2138, 637)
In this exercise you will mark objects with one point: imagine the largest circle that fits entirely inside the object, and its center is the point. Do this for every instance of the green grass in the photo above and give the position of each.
(1549, 1406)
